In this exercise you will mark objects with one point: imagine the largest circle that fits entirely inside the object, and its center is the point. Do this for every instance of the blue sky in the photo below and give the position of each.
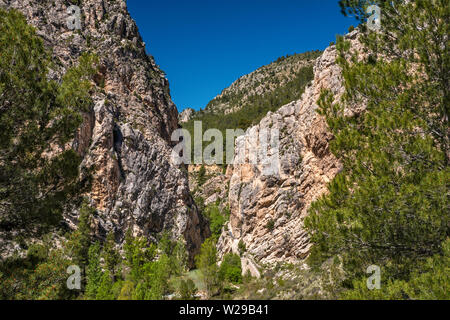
(205, 45)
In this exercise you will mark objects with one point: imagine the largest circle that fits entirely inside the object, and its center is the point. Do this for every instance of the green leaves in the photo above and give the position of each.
(93, 272)
(251, 108)
(428, 281)
(216, 218)
(206, 262)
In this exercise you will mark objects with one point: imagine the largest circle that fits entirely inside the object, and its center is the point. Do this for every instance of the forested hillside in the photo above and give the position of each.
(277, 77)
(251, 97)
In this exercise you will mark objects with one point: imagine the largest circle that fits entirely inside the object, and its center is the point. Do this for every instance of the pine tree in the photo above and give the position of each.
(38, 118)
(81, 239)
(231, 269)
(206, 262)
(201, 178)
(187, 289)
(176, 252)
(127, 291)
(104, 291)
(179, 259)
(429, 280)
(389, 205)
(138, 253)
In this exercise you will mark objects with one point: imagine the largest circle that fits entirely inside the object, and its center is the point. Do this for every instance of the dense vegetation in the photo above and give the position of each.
(263, 81)
(40, 178)
(140, 271)
(257, 106)
(249, 108)
(389, 206)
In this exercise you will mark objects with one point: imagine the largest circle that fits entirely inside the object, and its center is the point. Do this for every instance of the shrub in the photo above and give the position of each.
(187, 289)
(216, 219)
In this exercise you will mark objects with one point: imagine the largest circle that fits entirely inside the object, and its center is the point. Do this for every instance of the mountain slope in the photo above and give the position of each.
(261, 82)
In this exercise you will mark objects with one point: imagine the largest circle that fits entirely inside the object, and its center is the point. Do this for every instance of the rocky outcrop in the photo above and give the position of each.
(267, 211)
(185, 115)
(125, 137)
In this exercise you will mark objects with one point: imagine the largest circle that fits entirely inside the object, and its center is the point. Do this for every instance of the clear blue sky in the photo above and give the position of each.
(205, 45)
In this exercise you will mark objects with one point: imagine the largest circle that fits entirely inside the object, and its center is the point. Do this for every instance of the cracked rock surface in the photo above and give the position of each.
(267, 211)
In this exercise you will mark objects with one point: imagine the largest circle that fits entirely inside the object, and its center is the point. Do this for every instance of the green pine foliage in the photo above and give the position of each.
(206, 262)
(429, 280)
(201, 177)
(111, 256)
(144, 272)
(280, 78)
(94, 271)
(217, 219)
(187, 290)
(41, 275)
(176, 253)
(80, 240)
(242, 247)
(104, 291)
(251, 108)
(389, 205)
(216, 216)
(257, 106)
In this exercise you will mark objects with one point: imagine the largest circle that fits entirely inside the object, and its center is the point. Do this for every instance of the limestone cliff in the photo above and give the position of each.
(185, 115)
(267, 211)
(261, 83)
(126, 135)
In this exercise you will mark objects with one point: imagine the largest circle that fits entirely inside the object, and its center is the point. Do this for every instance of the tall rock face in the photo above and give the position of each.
(267, 211)
(126, 135)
